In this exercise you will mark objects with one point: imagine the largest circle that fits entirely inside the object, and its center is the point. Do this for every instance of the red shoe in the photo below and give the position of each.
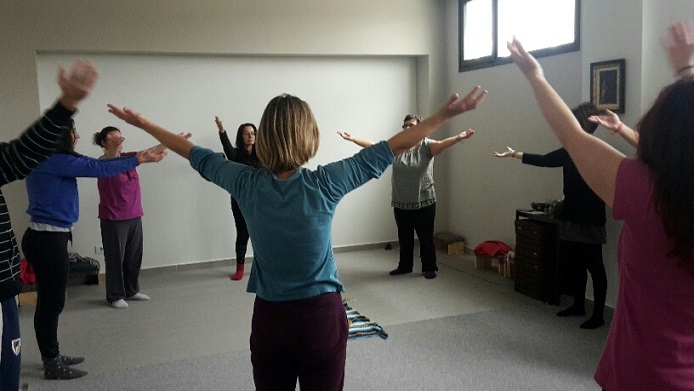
(239, 272)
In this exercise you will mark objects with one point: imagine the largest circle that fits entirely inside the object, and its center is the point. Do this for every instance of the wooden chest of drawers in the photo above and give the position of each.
(536, 273)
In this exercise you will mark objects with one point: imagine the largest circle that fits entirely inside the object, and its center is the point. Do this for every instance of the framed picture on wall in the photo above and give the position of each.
(607, 85)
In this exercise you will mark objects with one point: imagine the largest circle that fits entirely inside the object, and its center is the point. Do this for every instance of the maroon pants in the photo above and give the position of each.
(304, 339)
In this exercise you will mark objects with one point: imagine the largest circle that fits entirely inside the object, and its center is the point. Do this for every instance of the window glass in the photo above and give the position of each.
(478, 29)
(545, 27)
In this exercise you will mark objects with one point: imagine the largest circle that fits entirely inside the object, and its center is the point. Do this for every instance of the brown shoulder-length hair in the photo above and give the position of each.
(288, 134)
(666, 142)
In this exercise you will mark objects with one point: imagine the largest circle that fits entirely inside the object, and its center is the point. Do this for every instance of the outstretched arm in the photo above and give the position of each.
(175, 142)
(161, 147)
(611, 121)
(359, 141)
(597, 161)
(510, 152)
(454, 106)
(439, 146)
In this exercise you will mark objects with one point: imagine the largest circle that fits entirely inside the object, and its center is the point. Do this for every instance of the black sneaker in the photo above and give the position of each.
(429, 275)
(55, 369)
(67, 360)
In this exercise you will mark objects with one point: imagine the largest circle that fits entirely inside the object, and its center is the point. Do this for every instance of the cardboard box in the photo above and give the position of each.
(26, 298)
(456, 248)
(483, 261)
(443, 239)
(506, 265)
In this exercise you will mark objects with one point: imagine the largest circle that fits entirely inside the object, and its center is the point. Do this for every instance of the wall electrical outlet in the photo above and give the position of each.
(98, 250)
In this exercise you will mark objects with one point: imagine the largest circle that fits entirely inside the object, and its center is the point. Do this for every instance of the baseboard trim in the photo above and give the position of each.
(232, 261)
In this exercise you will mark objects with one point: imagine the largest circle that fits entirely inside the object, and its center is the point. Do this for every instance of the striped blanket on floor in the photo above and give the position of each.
(362, 327)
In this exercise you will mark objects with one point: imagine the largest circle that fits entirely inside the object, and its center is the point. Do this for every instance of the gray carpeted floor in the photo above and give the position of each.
(465, 330)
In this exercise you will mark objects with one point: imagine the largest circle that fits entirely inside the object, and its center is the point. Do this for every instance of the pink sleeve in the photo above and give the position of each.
(633, 192)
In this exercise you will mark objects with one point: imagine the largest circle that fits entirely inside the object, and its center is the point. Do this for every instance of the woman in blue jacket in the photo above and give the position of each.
(54, 208)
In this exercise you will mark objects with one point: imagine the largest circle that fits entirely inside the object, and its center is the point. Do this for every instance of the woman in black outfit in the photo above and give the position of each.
(581, 225)
(243, 153)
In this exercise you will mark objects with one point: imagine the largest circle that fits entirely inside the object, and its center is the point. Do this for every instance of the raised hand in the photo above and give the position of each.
(509, 152)
(610, 120)
(151, 155)
(465, 134)
(129, 116)
(456, 105)
(346, 136)
(524, 60)
(77, 83)
(680, 49)
(114, 147)
(218, 121)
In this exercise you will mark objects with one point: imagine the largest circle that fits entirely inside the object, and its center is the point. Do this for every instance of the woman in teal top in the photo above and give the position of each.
(299, 328)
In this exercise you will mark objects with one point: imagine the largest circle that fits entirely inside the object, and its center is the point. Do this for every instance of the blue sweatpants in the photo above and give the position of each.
(10, 357)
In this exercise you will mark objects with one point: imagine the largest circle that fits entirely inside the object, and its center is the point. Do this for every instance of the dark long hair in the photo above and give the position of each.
(239, 137)
(67, 144)
(666, 142)
(582, 112)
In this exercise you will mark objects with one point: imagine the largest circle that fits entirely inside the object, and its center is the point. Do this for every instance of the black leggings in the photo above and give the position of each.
(579, 258)
(47, 253)
(241, 233)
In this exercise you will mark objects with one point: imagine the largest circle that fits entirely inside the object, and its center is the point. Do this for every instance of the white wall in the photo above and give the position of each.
(184, 93)
(657, 16)
(262, 33)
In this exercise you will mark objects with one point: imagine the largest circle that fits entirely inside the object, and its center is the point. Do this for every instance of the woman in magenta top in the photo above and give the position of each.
(120, 212)
(651, 341)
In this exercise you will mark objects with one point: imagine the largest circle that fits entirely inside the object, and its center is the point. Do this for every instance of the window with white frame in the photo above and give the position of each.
(545, 27)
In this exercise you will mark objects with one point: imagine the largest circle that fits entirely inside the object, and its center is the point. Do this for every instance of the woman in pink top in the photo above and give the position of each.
(120, 211)
(651, 341)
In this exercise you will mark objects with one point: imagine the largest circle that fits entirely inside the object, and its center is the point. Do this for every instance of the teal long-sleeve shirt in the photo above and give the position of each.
(290, 220)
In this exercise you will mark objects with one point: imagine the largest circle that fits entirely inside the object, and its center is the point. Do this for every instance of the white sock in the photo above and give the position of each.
(120, 304)
(138, 296)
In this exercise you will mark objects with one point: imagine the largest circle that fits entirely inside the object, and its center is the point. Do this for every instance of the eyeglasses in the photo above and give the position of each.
(249, 133)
